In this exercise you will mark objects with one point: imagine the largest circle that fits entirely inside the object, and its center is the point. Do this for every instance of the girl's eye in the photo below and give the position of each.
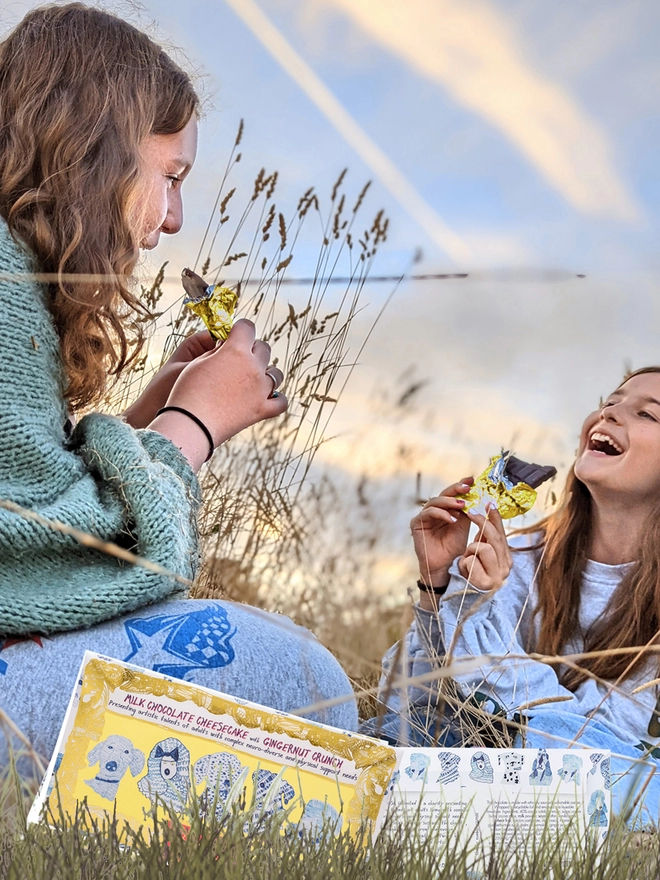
(173, 179)
(647, 415)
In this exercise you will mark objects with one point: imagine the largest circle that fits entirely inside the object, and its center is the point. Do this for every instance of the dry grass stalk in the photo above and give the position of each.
(268, 507)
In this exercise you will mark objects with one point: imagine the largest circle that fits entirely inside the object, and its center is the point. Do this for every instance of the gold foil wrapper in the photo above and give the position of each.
(216, 309)
(493, 485)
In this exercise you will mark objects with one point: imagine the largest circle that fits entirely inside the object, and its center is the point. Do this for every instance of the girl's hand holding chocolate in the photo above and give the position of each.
(486, 562)
(440, 533)
(227, 388)
(143, 411)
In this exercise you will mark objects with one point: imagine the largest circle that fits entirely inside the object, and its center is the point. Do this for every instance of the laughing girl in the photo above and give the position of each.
(586, 580)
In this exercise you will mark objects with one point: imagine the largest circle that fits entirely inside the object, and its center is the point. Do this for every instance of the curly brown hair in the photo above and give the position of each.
(80, 89)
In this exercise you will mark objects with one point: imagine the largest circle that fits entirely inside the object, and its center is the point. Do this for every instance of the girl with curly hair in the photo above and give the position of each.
(98, 131)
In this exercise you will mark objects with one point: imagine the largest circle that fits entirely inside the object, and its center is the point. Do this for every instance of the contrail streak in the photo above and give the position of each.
(381, 165)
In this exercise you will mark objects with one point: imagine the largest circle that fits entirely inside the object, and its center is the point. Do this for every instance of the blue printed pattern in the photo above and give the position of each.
(16, 640)
(198, 640)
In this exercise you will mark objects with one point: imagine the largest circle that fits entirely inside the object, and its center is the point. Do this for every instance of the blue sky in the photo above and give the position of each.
(501, 135)
(583, 82)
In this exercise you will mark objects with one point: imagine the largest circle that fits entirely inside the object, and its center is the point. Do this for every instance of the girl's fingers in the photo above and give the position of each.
(261, 350)
(276, 405)
(242, 334)
(459, 488)
(444, 502)
(447, 500)
(495, 517)
(491, 531)
(437, 514)
(203, 339)
(480, 567)
(485, 554)
(193, 346)
(487, 560)
(502, 545)
(211, 353)
(276, 376)
(472, 569)
(487, 531)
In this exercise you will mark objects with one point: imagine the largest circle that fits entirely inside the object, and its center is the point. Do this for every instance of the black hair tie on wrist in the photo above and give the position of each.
(197, 421)
(437, 591)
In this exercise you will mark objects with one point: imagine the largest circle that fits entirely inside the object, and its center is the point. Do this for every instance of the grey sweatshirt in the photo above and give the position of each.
(501, 624)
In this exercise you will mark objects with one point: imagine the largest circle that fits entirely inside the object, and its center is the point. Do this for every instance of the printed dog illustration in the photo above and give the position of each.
(595, 758)
(220, 770)
(115, 755)
(318, 820)
(541, 770)
(597, 810)
(571, 765)
(482, 770)
(168, 774)
(418, 767)
(448, 767)
(605, 773)
(513, 765)
(268, 798)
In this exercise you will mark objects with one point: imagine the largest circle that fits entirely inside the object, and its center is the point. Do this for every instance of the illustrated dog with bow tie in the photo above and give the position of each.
(168, 774)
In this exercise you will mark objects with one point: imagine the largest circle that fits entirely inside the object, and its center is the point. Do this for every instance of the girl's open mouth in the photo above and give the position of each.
(603, 443)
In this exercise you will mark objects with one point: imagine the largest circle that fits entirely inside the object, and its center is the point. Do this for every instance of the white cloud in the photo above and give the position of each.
(370, 153)
(469, 48)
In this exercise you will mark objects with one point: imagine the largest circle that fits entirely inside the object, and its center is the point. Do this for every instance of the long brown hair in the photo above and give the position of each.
(632, 617)
(79, 91)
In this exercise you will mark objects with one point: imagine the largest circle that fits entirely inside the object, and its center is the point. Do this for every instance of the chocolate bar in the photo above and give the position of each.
(509, 482)
(214, 304)
(534, 475)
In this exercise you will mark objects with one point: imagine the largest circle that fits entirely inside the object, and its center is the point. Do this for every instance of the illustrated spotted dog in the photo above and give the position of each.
(513, 762)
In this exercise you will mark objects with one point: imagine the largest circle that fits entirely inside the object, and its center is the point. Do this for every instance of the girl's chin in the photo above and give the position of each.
(604, 485)
(150, 241)
(595, 472)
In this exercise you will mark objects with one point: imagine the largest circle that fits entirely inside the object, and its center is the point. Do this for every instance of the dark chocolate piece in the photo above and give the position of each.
(193, 284)
(526, 472)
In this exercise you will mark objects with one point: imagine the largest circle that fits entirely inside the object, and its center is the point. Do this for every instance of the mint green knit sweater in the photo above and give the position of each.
(132, 487)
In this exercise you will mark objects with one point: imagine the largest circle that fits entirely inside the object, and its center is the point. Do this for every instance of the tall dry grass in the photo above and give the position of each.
(278, 531)
(234, 847)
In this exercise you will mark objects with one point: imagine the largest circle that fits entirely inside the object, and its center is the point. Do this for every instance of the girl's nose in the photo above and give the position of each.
(174, 218)
(612, 413)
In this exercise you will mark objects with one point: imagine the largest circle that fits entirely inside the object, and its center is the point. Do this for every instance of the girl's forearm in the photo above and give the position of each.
(185, 435)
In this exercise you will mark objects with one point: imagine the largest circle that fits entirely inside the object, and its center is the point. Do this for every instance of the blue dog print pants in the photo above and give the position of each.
(232, 648)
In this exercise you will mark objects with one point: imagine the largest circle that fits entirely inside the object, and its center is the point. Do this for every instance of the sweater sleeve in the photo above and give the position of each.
(471, 623)
(474, 624)
(418, 653)
(130, 487)
(499, 625)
